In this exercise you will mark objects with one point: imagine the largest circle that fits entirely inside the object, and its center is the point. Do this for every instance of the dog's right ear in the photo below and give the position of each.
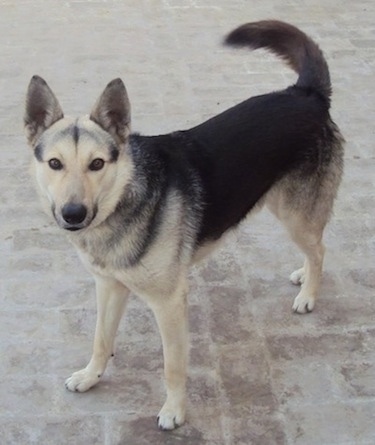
(42, 109)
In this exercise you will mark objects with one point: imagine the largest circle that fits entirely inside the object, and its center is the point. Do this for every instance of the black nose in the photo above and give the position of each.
(74, 213)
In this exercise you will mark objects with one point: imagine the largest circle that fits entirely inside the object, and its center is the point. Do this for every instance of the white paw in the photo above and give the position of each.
(82, 380)
(170, 417)
(298, 276)
(303, 303)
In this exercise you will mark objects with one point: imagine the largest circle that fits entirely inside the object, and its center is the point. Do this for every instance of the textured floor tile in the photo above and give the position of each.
(258, 429)
(309, 385)
(343, 346)
(338, 424)
(32, 394)
(52, 430)
(359, 378)
(144, 431)
(231, 320)
(245, 377)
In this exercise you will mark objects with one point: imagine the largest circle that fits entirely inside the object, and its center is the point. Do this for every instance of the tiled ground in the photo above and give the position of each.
(259, 374)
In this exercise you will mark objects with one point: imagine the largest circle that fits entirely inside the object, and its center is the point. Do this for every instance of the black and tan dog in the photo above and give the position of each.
(140, 210)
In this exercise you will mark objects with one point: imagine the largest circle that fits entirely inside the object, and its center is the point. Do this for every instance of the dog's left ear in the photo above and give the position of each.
(42, 109)
(112, 111)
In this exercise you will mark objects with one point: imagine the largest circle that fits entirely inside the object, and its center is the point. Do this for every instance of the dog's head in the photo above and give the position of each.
(81, 165)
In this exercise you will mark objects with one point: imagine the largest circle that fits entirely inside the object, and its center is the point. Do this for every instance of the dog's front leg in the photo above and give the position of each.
(111, 299)
(171, 317)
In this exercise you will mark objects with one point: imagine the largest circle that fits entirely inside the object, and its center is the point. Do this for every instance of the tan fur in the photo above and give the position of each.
(103, 189)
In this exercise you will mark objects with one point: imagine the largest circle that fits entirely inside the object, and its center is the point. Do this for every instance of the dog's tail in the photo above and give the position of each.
(295, 47)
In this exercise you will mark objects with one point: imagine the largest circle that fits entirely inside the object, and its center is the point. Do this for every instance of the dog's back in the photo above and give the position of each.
(243, 152)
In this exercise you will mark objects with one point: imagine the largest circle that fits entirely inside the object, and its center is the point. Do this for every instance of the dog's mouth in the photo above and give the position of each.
(74, 228)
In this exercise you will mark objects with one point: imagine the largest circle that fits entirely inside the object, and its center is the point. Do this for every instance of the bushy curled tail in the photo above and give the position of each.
(291, 44)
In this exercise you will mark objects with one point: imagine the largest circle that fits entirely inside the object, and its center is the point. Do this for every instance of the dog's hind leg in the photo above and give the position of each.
(171, 316)
(111, 300)
(306, 230)
(308, 237)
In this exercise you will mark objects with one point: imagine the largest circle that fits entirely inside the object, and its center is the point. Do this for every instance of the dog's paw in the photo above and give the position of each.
(82, 380)
(170, 417)
(303, 303)
(298, 276)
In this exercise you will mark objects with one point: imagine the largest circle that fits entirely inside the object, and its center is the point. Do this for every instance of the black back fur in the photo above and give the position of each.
(233, 159)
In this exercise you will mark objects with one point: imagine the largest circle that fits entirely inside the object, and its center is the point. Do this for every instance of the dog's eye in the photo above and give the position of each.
(96, 164)
(55, 164)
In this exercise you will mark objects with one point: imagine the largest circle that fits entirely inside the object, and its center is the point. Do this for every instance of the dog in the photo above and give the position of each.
(141, 209)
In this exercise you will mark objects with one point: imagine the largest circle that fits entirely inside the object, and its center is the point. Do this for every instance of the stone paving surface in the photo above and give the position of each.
(259, 374)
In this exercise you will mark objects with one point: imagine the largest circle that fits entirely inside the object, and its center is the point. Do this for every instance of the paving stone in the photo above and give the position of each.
(49, 430)
(349, 423)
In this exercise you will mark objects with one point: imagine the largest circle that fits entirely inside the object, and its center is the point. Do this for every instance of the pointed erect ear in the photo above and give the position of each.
(112, 111)
(42, 109)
